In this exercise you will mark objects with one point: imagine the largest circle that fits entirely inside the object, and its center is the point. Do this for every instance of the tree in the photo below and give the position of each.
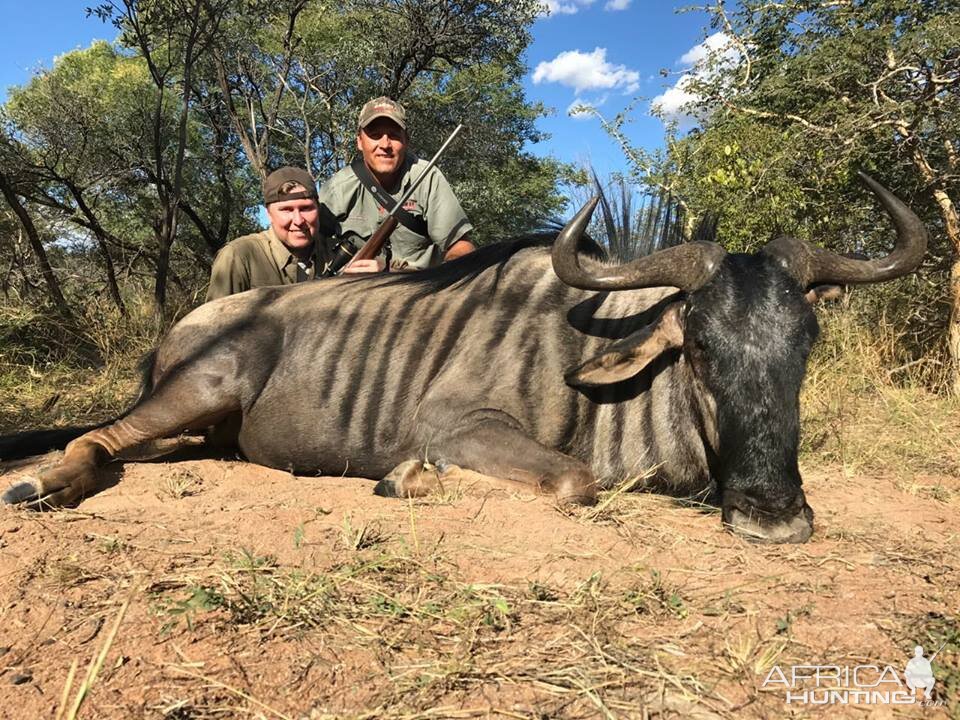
(830, 86)
(73, 124)
(8, 189)
(294, 75)
(86, 134)
(170, 36)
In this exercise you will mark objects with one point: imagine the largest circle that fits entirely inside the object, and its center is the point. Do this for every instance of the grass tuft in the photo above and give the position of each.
(866, 408)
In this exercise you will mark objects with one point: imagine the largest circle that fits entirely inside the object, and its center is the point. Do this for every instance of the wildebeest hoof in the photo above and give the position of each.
(63, 484)
(385, 488)
(20, 493)
(34, 494)
(755, 528)
(409, 479)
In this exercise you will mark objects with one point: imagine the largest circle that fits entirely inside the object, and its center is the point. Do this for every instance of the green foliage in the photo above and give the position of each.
(804, 94)
(84, 141)
(511, 198)
(820, 90)
(171, 128)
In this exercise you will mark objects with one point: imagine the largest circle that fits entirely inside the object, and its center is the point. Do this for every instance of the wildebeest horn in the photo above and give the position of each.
(812, 265)
(686, 266)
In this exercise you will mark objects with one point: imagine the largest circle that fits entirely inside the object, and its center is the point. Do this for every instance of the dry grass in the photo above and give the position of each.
(54, 374)
(585, 650)
(865, 410)
(179, 483)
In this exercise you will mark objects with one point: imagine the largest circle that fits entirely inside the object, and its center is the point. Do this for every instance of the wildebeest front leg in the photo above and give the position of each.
(493, 444)
(190, 401)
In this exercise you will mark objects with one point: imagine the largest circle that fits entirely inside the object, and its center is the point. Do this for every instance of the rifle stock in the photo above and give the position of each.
(344, 254)
(374, 244)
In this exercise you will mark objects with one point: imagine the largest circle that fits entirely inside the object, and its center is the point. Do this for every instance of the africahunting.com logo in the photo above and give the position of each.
(857, 684)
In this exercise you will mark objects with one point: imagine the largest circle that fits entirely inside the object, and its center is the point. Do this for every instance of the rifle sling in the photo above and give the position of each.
(411, 222)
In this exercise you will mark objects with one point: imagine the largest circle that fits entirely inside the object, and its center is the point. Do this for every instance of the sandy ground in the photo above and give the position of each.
(246, 592)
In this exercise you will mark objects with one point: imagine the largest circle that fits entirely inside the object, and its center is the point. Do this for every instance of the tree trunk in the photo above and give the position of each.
(951, 223)
(164, 243)
(111, 276)
(100, 235)
(53, 287)
(951, 226)
(953, 332)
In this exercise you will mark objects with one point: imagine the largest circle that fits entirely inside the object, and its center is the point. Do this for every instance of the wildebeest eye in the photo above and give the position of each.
(695, 350)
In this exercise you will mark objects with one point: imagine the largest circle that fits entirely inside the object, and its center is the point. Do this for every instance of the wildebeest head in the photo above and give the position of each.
(745, 327)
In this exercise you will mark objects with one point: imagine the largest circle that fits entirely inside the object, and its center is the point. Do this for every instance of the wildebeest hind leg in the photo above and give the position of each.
(190, 401)
(492, 444)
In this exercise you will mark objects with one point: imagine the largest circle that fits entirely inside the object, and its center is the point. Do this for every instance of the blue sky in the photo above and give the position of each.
(604, 52)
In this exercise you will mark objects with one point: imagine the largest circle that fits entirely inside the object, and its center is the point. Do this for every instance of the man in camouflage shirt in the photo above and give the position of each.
(433, 227)
(285, 253)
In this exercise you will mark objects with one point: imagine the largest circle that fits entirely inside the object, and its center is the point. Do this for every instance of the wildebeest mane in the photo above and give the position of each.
(467, 268)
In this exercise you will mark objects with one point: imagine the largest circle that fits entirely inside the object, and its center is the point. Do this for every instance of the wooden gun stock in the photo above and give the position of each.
(372, 247)
(344, 254)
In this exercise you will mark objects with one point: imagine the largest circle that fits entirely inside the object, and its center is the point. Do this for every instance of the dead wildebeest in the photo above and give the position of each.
(553, 371)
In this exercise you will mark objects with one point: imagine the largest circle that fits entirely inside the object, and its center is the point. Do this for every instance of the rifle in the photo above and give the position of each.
(344, 253)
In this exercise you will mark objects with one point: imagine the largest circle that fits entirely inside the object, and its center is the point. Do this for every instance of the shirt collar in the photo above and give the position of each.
(286, 261)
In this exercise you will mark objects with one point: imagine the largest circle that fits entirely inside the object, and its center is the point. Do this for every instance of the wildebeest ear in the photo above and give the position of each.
(625, 358)
(820, 293)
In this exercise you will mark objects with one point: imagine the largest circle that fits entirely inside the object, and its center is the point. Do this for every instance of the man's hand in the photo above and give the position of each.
(364, 266)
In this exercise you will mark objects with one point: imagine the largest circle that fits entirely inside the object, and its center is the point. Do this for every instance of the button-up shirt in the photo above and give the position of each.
(253, 261)
(356, 214)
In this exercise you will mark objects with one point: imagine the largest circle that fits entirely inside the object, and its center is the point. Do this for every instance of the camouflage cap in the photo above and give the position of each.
(382, 107)
(280, 177)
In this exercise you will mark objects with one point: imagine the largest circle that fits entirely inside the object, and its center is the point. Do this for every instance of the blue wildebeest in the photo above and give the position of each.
(539, 368)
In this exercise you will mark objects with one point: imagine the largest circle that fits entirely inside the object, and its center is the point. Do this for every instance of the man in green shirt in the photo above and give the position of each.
(285, 253)
(433, 227)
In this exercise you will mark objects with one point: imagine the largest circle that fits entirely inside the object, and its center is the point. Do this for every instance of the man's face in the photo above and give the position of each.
(294, 221)
(384, 146)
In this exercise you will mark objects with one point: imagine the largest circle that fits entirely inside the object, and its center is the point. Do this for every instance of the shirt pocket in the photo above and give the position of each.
(357, 225)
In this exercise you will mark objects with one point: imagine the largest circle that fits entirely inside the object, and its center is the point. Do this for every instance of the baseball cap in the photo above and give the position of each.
(278, 178)
(382, 107)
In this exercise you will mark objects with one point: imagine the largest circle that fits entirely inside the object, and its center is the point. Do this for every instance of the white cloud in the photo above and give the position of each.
(719, 42)
(615, 5)
(587, 71)
(701, 61)
(578, 109)
(566, 7)
(672, 103)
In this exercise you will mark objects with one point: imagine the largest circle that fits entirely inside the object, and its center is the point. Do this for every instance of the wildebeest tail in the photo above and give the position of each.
(35, 442)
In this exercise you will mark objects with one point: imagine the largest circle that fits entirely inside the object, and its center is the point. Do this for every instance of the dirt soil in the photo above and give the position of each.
(221, 589)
